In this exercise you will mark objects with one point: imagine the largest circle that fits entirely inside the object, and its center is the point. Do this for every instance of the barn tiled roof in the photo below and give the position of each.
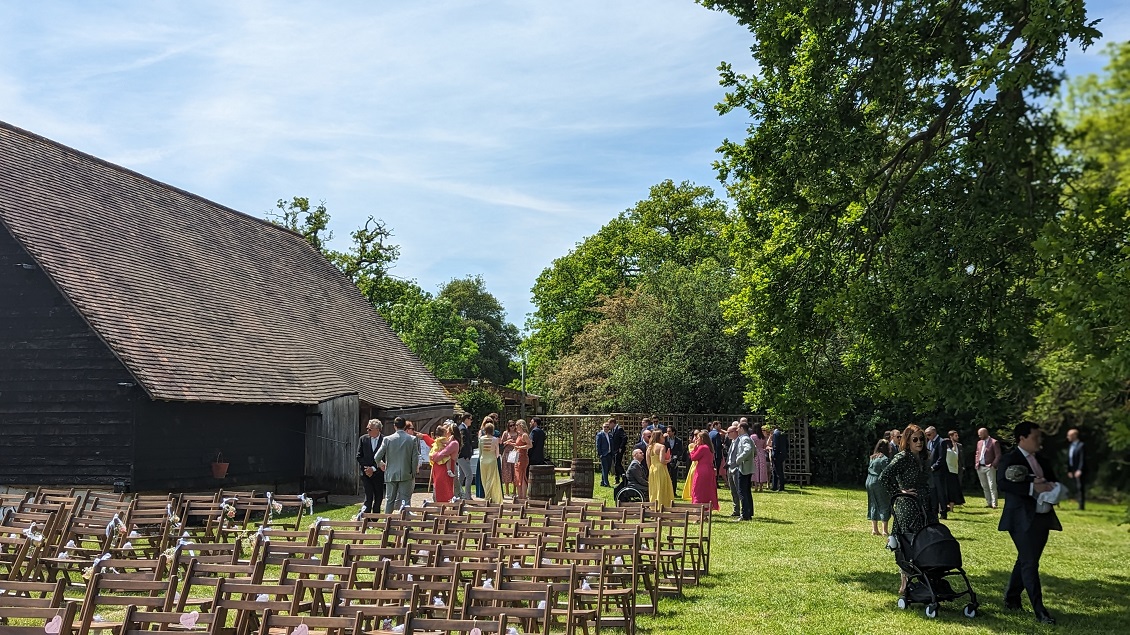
(201, 303)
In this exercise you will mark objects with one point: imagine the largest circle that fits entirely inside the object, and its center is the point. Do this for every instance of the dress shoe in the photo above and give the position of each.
(1043, 617)
(735, 515)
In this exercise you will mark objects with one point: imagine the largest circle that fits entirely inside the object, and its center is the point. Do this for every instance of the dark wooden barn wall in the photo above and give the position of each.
(64, 418)
(331, 445)
(177, 442)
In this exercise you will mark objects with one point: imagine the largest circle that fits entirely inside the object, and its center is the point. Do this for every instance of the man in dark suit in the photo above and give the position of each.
(372, 477)
(636, 474)
(936, 448)
(466, 475)
(780, 453)
(1075, 463)
(716, 438)
(536, 453)
(1022, 476)
(619, 445)
(604, 451)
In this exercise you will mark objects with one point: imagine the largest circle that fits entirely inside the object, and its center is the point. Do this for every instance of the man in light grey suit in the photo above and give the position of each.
(739, 464)
(399, 456)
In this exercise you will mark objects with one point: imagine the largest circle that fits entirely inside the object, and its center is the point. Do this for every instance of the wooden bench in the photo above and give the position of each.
(563, 488)
(800, 478)
(319, 494)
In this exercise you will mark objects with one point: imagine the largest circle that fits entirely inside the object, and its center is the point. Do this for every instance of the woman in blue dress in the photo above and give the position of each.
(878, 501)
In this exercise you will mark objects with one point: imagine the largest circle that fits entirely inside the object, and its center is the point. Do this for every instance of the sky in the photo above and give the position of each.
(491, 137)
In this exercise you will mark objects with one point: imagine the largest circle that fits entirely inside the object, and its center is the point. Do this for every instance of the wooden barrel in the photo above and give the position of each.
(583, 472)
(542, 482)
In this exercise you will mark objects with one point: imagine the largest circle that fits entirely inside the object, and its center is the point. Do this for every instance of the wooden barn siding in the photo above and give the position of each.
(177, 442)
(64, 420)
(331, 445)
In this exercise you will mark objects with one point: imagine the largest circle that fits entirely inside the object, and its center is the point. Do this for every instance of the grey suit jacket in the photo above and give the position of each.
(741, 457)
(401, 454)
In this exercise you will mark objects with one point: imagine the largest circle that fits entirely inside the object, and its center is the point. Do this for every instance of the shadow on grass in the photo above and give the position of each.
(1101, 603)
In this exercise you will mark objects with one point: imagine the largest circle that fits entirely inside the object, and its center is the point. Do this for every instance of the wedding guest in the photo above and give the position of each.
(878, 501)
(760, 458)
(780, 455)
(658, 479)
(443, 455)
(507, 441)
(488, 462)
(604, 451)
(636, 473)
(704, 480)
(372, 478)
(619, 444)
(398, 457)
(988, 454)
(936, 455)
(466, 472)
(692, 441)
(908, 473)
(954, 494)
(521, 476)
(1075, 464)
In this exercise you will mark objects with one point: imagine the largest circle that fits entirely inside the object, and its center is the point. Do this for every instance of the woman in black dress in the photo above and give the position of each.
(908, 473)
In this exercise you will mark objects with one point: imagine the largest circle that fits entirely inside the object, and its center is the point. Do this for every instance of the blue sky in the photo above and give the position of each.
(490, 136)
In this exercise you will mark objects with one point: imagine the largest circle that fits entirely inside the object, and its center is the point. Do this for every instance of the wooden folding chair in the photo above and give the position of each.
(531, 608)
(108, 594)
(374, 606)
(276, 624)
(28, 607)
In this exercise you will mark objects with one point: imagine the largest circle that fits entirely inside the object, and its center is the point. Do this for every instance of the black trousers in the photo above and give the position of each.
(1026, 572)
(777, 482)
(939, 500)
(618, 463)
(374, 490)
(1080, 492)
(745, 488)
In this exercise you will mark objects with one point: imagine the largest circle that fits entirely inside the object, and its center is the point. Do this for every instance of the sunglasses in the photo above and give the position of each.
(916, 439)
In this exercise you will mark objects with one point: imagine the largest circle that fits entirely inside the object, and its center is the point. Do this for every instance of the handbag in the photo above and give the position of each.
(512, 456)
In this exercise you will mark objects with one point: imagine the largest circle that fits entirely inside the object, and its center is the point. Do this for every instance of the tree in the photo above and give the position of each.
(498, 340)
(431, 327)
(662, 347)
(479, 402)
(1085, 272)
(681, 223)
(897, 171)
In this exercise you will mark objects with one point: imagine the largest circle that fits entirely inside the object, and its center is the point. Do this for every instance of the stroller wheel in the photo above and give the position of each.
(970, 610)
(931, 611)
(903, 603)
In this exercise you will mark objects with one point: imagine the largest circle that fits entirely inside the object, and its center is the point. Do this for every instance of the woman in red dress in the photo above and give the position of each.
(443, 456)
(704, 488)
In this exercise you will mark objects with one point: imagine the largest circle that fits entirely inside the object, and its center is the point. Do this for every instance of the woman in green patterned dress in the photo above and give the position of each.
(908, 473)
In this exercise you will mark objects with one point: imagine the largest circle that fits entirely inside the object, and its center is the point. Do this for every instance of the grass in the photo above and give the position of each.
(808, 563)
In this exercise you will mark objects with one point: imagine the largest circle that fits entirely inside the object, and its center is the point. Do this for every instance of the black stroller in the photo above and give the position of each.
(928, 558)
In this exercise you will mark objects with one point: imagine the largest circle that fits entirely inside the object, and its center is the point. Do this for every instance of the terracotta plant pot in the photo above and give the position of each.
(219, 468)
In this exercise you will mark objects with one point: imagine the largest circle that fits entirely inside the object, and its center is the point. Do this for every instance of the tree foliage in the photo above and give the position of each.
(498, 340)
(479, 402)
(681, 224)
(897, 171)
(1085, 278)
(661, 347)
(442, 331)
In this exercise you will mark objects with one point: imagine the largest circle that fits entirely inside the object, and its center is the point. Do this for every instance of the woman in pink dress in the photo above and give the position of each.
(705, 486)
(443, 463)
(760, 459)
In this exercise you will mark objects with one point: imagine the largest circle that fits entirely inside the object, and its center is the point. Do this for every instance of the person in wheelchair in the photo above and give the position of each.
(634, 486)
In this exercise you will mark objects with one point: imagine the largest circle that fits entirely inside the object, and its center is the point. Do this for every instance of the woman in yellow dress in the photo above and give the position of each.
(659, 488)
(488, 463)
(687, 485)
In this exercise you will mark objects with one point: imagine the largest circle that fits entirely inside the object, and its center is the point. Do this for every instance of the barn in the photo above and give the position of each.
(147, 333)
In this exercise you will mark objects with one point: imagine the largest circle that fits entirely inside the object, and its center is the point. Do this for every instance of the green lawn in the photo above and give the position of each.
(808, 563)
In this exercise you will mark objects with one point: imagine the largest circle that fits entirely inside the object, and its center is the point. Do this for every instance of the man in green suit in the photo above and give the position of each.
(399, 457)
